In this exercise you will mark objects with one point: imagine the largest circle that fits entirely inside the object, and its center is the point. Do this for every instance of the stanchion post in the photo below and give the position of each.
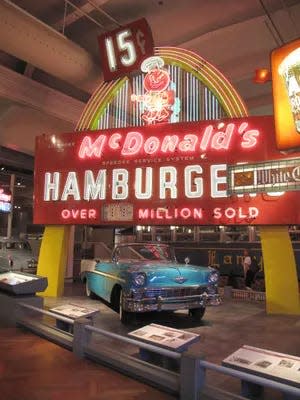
(227, 292)
(192, 376)
(81, 336)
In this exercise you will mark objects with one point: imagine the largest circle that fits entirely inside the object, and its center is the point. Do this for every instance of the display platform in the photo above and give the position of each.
(20, 283)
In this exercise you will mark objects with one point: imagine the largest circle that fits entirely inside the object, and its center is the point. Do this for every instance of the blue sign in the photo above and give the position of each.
(5, 207)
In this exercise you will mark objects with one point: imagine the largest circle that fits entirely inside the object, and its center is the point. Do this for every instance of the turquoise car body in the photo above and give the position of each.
(150, 279)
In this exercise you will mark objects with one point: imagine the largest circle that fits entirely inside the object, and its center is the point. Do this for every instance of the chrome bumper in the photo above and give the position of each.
(159, 303)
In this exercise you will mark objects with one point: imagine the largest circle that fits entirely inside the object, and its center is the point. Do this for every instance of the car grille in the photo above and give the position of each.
(175, 292)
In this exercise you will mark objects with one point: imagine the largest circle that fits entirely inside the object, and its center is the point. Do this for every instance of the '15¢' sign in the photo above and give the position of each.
(123, 50)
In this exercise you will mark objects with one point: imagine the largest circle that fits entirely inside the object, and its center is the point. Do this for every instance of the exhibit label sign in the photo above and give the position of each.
(266, 363)
(159, 174)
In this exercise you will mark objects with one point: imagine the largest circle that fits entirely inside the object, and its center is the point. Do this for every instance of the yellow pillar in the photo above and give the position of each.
(282, 292)
(53, 258)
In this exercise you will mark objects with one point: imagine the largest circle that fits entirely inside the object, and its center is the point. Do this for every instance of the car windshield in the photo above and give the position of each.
(145, 252)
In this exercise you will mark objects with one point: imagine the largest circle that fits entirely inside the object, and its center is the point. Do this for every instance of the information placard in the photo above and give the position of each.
(165, 337)
(278, 366)
(73, 310)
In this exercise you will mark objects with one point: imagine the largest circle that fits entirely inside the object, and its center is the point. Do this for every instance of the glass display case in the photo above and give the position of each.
(19, 283)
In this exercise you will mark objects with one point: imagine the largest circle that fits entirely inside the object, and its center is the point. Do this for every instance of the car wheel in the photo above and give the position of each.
(125, 316)
(88, 292)
(197, 313)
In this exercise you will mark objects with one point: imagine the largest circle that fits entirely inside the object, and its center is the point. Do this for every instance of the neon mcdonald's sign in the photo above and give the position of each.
(158, 174)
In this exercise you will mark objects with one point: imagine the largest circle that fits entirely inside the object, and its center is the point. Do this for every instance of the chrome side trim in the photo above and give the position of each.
(110, 276)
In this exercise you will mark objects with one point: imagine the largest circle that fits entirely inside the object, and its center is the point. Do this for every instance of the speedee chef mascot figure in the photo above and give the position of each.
(158, 101)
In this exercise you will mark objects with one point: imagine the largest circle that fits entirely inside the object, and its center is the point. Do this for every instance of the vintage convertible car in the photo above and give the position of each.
(145, 277)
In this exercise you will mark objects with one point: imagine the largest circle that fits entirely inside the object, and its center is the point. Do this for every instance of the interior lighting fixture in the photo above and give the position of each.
(262, 75)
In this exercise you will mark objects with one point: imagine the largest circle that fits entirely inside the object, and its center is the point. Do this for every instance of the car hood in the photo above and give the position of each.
(171, 274)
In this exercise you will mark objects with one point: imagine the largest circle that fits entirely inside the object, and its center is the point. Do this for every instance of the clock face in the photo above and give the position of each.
(157, 80)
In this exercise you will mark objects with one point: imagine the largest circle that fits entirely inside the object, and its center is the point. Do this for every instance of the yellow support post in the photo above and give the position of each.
(53, 258)
(282, 291)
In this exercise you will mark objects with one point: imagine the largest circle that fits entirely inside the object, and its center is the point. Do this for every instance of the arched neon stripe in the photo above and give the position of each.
(208, 72)
(204, 71)
(203, 68)
(209, 81)
(189, 61)
(94, 103)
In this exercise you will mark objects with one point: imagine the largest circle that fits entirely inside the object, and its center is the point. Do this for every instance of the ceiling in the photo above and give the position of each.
(46, 78)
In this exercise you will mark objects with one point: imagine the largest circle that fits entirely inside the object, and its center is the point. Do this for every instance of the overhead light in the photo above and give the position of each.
(2, 168)
(262, 75)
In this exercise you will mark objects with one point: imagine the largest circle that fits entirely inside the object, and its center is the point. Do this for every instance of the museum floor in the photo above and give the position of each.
(33, 368)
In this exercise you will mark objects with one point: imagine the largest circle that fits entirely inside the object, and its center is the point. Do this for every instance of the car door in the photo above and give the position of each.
(108, 277)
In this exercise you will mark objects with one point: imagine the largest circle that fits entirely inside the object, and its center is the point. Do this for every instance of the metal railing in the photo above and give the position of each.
(248, 377)
(45, 312)
(150, 347)
(26, 317)
(189, 381)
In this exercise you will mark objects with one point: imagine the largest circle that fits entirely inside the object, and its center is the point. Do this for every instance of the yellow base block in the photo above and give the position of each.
(282, 292)
(53, 259)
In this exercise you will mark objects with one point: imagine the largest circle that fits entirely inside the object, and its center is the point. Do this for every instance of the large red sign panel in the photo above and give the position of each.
(123, 50)
(159, 174)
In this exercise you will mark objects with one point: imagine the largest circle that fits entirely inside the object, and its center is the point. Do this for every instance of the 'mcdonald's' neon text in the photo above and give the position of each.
(134, 143)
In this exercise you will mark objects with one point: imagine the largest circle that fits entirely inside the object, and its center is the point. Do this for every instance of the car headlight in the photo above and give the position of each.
(213, 277)
(139, 279)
